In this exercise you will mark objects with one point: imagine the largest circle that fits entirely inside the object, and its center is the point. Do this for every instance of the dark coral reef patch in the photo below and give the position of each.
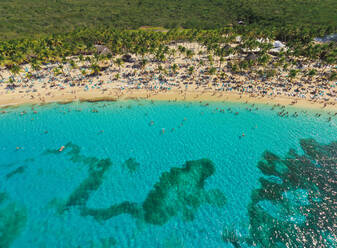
(131, 164)
(18, 170)
(96, 168)
(13, 218)
(298, 210)
(179, 192)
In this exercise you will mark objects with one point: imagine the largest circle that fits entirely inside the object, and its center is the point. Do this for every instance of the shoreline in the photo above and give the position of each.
(15, 100)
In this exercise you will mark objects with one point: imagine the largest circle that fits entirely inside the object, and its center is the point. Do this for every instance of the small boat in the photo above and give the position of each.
(61, 149)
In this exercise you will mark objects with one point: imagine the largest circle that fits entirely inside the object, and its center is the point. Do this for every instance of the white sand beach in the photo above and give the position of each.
(196, 77)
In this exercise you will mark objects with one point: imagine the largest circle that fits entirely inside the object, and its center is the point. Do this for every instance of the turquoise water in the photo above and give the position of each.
(113, 184)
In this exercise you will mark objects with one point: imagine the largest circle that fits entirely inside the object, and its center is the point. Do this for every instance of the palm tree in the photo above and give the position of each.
(174, 68)
(119, 63)
(84, 72)
(191, 70)
(172, 53)
(15, 70)
(211, 70)
(293, 73)
(189, 53)
(181, 49)
(210, 59)
(221, 60)
(160, 68)
(143, 63)
(95, 69)
(73, 64)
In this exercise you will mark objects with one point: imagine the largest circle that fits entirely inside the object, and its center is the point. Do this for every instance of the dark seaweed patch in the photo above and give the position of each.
(103, 243)
(8, 165)
(179, 192)
(131, 164)
(3, 197)
(97, 169)
(81, 194)
(18, 170)
(301, 210)
(123, 208)
(173, 242)
(12, 220)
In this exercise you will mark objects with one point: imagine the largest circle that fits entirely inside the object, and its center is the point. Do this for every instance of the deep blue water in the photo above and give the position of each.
(142, 140)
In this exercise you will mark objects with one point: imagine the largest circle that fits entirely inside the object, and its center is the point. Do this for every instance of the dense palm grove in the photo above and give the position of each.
(34, 18)
(60, 48)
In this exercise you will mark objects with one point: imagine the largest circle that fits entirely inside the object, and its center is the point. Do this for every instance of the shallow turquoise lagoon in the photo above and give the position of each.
(167, 174)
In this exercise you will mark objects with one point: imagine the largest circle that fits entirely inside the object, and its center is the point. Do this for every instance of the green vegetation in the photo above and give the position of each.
(58, 48)
(40, 32)
(21, 19)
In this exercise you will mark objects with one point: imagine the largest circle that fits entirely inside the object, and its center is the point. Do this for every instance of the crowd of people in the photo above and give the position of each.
(198, 74)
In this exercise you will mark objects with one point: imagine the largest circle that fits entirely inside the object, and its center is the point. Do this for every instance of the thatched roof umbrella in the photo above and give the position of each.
(127, 58)
(102, 50)
(251, 57)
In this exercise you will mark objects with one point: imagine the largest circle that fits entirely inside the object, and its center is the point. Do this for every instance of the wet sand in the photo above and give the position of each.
(94, 95)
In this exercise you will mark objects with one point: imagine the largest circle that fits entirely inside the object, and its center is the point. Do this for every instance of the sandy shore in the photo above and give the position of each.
(78, 94)
(180, 78)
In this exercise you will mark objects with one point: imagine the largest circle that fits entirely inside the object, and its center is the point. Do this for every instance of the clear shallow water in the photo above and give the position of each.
(109, 186)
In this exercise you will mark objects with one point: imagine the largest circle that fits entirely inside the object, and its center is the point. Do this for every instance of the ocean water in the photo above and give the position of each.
(123, 178)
